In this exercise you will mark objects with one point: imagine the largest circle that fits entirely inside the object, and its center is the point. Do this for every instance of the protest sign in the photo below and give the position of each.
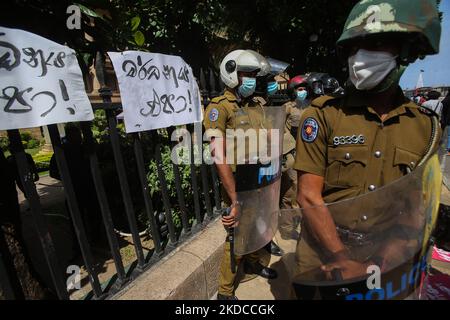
(40, 82)
(157, 90)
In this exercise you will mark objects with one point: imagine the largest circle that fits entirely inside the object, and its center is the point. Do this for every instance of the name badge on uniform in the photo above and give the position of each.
(354, 139)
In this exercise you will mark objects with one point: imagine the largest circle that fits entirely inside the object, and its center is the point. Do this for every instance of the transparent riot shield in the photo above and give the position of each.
(386, 235)
(258, 146)
(445, 162)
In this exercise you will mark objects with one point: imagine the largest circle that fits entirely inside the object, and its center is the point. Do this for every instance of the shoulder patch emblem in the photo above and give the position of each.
(310, 129)
(213, 115)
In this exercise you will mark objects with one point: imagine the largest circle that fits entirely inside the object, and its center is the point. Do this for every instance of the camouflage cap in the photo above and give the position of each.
(405, 17)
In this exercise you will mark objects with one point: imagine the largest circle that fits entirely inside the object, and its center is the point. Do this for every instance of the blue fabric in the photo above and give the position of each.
(248, 86)
(272, 88)
(301, 95)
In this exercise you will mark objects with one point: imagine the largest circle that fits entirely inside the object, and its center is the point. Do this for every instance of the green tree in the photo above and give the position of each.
(201, 31)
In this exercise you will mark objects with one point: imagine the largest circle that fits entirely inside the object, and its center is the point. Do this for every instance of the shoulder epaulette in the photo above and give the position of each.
(322, 101)
(216, 100)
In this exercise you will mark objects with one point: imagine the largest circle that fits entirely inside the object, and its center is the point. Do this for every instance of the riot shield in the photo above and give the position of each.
(386, 236)
(258, 173)
(445, 163)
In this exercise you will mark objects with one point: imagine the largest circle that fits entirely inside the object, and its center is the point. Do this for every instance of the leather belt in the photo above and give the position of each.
(353, 238)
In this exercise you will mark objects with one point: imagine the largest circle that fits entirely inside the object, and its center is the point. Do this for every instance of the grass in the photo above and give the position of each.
(32, 152)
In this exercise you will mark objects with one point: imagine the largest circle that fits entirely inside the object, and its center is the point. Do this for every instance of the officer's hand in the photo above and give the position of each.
(348, 268)
(229, 221)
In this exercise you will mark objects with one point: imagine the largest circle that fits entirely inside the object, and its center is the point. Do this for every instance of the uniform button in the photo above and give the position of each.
(364, 218)
(372, 187)
(378, 154)
(348, 156)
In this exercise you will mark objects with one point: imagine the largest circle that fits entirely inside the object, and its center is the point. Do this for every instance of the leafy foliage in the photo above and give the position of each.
(42, 161)
(149, 144)
(201, 31)
(4, 143)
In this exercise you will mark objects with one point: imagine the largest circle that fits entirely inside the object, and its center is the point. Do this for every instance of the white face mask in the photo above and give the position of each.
(368, 68)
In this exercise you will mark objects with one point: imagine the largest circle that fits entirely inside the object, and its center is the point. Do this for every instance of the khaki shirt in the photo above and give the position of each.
(229, 112)
(293, 115)
(345, 141)
(226, 105)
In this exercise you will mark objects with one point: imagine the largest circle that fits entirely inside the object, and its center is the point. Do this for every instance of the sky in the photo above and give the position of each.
(436, 67)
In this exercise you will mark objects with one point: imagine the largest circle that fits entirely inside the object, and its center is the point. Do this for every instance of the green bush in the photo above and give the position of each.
(27, 142)
(186, 184)
(33, 143)
(42, 161)
(100, 127)
(4, 143)
(25, 136)
(112, 186)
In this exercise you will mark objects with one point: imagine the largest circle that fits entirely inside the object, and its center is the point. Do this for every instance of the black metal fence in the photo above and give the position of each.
(165, 234)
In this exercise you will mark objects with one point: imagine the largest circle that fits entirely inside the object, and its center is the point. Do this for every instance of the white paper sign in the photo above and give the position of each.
(40, 82)
(157, 90)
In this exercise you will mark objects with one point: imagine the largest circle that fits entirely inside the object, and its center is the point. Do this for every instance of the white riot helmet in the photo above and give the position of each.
(237, 60)
(263, 63)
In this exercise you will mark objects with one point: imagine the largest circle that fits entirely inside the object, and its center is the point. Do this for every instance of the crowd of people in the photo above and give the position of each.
(432, 100)
(339, 144)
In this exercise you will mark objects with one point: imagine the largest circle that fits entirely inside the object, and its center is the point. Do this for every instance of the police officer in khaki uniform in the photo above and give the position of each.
(266, 88)
(352, 145)
(297, 87)
(238, 71)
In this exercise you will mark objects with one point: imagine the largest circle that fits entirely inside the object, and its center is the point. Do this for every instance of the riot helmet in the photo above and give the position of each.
(277, 66)
(294, 83)
(228, 69)
(265, 82)
(263, 63)
(414, 23)
(297, 81)
(381, 38)
(330, 84)
(315, 84)
(234, 62)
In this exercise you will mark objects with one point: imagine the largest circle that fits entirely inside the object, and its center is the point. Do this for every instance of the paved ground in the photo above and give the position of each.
(262, 289)
(52, 200)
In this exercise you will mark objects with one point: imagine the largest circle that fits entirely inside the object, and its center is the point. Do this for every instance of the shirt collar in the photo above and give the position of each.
(230, 96)
(360, 99)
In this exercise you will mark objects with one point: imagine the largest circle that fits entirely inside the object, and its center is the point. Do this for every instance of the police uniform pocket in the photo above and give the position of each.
(242, 120)
(405, 159)
(346, 166)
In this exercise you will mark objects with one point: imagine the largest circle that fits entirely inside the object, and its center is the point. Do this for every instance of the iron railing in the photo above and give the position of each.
(204, 183)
